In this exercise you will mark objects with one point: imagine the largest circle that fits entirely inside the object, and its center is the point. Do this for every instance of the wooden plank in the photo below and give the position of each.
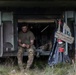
(36, 20)
(64, 37)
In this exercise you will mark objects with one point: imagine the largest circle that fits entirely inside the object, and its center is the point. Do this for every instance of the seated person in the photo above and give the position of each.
(25, 40)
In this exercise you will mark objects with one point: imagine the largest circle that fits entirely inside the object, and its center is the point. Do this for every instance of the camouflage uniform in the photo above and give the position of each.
(46, 46)
(25, 38)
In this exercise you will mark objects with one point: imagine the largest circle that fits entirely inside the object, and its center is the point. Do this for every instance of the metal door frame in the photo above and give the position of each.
(1, 41)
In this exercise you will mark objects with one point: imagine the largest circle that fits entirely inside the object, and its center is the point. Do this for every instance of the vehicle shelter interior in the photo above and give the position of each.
(42, 22)
(43, 31)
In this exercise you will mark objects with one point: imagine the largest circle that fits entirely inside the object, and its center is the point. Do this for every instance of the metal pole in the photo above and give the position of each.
(1, 40)
(66, 44)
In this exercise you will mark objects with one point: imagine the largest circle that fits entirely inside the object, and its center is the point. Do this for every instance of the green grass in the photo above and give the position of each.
(40, 68)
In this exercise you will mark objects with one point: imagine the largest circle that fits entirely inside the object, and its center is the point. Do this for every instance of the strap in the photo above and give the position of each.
(59, 23)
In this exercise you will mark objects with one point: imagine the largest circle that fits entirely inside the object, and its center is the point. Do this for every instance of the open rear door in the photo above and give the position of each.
(8, 36)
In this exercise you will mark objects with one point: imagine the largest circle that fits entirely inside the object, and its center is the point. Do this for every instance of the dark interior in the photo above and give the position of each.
(44, 32)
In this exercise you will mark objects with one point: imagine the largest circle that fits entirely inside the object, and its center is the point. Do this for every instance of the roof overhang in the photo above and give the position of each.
(36, 3)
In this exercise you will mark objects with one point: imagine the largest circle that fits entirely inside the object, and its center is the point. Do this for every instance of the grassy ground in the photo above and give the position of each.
(40, 68)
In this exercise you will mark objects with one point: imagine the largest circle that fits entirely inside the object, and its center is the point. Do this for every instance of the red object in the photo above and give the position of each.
(61, 49)
(59, 40)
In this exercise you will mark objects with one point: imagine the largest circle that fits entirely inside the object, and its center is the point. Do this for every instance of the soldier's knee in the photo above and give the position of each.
(31, 50)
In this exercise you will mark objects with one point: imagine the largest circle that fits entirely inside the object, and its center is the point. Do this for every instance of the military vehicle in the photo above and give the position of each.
(42, 18)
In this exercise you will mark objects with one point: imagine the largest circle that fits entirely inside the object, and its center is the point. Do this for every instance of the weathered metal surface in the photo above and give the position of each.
(39, 52)
(7, 16)
(64, 37)
(1, 40)
(37, 3)
(8, 34)
(0, 18)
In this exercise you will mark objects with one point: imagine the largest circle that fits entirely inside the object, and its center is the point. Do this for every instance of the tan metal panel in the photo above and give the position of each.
(36, 20)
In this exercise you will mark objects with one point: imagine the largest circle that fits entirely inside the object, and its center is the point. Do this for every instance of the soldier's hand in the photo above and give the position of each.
(23, 45)
(27, 46)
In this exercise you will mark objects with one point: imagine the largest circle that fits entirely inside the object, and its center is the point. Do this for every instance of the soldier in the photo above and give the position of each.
(25, 40)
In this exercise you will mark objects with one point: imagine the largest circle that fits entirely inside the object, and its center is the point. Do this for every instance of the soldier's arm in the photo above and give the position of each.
(19, 40)
(20, 44)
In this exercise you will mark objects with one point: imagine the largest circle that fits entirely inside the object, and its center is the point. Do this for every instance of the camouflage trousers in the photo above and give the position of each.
(30, 52)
